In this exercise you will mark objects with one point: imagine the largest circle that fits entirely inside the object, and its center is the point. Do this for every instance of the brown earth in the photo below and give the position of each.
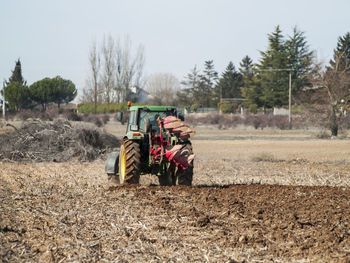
(252, 201)
(64, 212)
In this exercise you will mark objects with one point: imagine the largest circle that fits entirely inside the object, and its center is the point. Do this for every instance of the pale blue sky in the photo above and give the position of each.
(53, 37)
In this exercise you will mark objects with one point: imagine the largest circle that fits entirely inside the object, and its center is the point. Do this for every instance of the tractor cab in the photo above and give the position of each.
(144, 119)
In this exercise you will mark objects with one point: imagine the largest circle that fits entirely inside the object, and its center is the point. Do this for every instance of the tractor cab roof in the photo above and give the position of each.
(153, 108)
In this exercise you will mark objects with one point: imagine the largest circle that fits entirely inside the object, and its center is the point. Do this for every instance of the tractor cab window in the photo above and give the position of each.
(132, 117)
(153, 116)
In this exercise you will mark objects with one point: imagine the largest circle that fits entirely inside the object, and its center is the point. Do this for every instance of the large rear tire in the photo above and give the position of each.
(129, 162)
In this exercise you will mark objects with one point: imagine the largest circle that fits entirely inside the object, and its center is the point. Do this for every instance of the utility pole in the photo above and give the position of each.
(290, 101)
(3, 102)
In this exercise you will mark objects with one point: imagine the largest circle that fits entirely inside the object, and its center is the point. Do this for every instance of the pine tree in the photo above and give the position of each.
(272, 75)
(246, 67)
(207, 85)
(188, 96)
(341, 55)
(230, 83)
(251, 88)
(300, 59)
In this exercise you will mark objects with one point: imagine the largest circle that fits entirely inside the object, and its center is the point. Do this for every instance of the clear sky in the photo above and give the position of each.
(53, 37)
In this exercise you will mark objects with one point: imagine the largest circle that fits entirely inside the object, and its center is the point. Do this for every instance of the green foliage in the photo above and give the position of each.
(17, 74)
(273, 82)
(55, 90)
(64, 90)
(17, 96)
(298, 109)
(199, 88)
(16, 91)
(341, 55)
(195, 107)
(300, 59)
(270, 86)
(206, 93)
(253, 108)
(262, 85)
(229, 107)
(191, 82)
(42, 92)
(251, 88)
(230, 83)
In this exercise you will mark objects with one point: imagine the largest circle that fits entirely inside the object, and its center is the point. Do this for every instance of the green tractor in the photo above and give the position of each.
(156, 142)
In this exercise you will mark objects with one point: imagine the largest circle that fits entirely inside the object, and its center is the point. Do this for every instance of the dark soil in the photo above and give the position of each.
(234, 223)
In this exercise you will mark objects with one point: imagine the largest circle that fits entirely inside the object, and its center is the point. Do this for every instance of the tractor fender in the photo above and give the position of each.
(112, 163)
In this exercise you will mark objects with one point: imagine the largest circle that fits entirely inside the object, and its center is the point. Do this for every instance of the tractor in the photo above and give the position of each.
(157, 141)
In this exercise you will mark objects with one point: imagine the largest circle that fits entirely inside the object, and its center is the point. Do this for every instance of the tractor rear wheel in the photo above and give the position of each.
(185, 176)
(129, 162)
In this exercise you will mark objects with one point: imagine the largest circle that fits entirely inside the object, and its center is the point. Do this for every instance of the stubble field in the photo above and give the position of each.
(256, 200)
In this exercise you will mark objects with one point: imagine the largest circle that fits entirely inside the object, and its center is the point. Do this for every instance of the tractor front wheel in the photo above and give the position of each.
(129, 162)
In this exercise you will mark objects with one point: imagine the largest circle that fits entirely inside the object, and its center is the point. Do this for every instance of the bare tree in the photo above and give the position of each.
(129, 68)
(336, 81)
(88, 92)
(120, 70)
(108, 69)
(163, 88)
(95, 65)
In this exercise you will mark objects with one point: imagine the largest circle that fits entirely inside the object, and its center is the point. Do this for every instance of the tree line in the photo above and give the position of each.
(263, 84)
(19, 95)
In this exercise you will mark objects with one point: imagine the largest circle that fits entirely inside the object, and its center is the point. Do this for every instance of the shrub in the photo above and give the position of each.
(26, 114)
(323, 135)
(253, 108)
(345, 122)
(98, 122)
(259, 121)
(105, 118)
(228, 108)
(280, 122)
(72, 116)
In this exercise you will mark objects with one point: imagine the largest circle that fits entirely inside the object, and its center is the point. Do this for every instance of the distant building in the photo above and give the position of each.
(280, 111)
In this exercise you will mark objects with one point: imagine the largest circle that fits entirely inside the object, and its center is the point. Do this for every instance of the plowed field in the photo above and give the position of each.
(252, 201)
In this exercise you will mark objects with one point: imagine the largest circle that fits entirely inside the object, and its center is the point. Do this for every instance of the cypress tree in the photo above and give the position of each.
(17, 74)
(16, 90)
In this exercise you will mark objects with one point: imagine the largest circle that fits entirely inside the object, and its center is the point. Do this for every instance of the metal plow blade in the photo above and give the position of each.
(179, 154)
(178, 127)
